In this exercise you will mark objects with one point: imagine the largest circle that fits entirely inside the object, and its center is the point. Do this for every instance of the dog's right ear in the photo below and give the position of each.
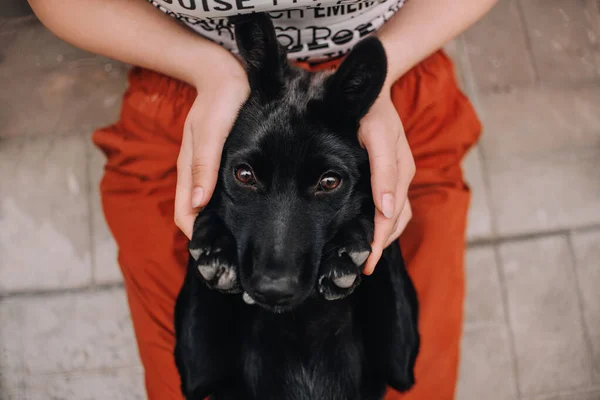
(353, 88)
(261, 53)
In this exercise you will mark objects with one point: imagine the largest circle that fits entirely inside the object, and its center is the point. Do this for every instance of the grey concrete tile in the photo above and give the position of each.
(480, 217)
(454, 50)
(114, 384)
(486, 370)
(15, 9)
(12, 367)
(106, 267)
(12, 385)
(546, 321)
(11, 345)
(529, 122)
(49, 86)
(573, 395)
(497, 50)
(27, 47)
(45, 235)
(76, 99)
(587, 255)
(564, 40)
(559, 192)
(484, 299)
(541, 149)
(78, 332)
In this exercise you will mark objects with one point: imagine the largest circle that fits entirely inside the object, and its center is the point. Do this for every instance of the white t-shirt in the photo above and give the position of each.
(312, 30)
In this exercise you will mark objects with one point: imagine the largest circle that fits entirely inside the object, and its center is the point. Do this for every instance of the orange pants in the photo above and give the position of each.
(138, 192)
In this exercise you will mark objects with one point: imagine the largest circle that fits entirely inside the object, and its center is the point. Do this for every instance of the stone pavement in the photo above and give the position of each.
(532, 323)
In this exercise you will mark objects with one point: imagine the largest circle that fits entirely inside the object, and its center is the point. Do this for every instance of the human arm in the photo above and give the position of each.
(135, 32)
(417, 30)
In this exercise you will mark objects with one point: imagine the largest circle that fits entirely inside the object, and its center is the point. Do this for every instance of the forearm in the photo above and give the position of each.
(132, 31)
(423, 26)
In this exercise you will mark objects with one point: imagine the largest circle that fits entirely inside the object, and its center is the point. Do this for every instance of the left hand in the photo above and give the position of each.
(392, 169)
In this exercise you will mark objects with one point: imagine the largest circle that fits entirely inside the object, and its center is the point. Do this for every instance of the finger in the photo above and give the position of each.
(403, 220)
(205, 161)
(184, 212)
(406, 170)
(381, 148)
(383, 228)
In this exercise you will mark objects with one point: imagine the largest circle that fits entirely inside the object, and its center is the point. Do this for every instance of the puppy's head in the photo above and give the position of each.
(293, 171)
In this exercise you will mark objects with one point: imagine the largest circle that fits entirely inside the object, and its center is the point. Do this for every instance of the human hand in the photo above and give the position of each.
(221, 92)
(392, 168)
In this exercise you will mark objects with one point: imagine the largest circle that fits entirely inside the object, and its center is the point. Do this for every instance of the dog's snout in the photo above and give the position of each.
(274, 290)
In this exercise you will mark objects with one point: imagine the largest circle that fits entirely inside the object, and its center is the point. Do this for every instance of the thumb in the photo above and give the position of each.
(206, 159)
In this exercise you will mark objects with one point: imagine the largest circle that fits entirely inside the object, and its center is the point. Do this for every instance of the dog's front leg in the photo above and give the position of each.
(213, 253)
(206, 314)
(390, 320)
(343, 258)
(207, 337)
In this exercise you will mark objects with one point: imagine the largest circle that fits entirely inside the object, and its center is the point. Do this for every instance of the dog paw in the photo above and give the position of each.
(213, 249)
(342, 272)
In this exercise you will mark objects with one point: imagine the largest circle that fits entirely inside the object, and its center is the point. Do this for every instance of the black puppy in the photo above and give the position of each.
(265, 311)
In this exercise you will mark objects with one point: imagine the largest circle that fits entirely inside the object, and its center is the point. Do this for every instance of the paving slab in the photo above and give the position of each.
(479, 218)
(573, 395)
(541, 147)
(486, 369)
(587, 255)
(44, 214)
(483, 304)
(564, 41)
(50, 87)
(113, 384)
(106, 267)
(497, 49)
(545, 315)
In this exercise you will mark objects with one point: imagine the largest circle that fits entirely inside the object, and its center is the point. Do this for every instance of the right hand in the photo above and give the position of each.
(221, 92)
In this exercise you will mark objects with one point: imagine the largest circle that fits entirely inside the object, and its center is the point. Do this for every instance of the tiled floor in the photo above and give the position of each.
(532, 321)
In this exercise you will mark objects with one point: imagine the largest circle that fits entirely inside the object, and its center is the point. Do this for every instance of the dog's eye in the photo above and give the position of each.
(329, 181)
(244, 174)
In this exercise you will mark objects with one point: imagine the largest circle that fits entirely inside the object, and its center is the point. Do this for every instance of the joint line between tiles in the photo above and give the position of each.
(508, 326)
(584, 326)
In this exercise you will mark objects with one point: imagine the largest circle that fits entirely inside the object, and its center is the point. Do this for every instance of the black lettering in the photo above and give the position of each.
(365, 29)
(294, 10)
(224, 6)
(241, 6)
(335, 10)
(288, 37)
(295, 49)
(315, 33)
(205, 6)
(168, 1)
(227, 29)
(350, 8)
(342, 37)
(319, 13)
(317, 46)
(190, 6)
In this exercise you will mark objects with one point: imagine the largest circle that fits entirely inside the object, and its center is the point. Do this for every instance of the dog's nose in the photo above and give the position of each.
(272, 290)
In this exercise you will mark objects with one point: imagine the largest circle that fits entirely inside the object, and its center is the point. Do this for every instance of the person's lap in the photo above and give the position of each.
(138, 192)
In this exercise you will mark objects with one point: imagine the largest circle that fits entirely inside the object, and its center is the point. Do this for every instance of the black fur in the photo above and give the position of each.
(287, 243)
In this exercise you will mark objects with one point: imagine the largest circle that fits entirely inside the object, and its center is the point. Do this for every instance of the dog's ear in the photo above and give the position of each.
(353, 89)
(263, 57)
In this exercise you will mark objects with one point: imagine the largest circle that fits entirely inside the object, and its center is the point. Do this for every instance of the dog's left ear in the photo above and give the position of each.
(263, 57)
(353, 89)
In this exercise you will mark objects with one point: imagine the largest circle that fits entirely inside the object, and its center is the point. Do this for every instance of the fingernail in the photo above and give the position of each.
(387, 203)
(197, 196)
